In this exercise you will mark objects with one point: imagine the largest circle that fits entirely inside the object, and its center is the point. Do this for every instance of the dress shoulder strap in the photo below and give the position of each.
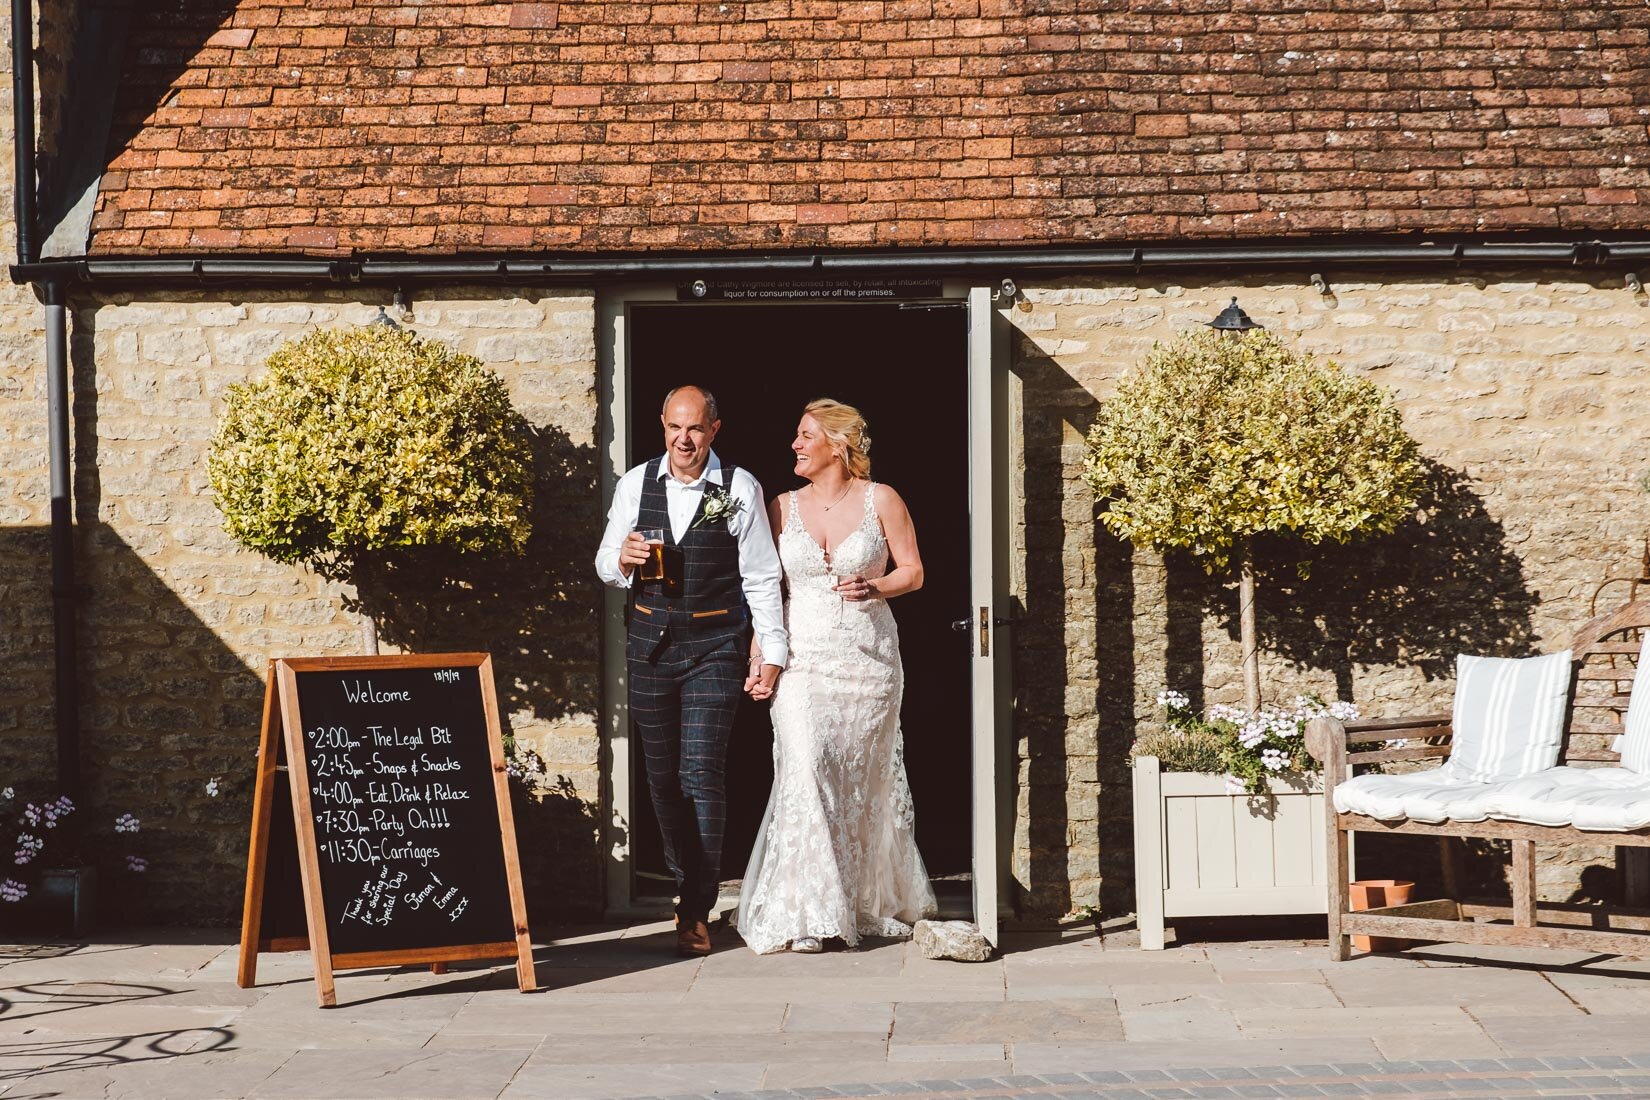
(871, 500)
(795, 517)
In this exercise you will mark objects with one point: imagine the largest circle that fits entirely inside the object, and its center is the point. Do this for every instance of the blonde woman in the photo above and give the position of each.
(837, 856)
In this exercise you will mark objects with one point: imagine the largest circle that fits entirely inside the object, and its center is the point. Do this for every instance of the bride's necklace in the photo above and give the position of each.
(838, 500)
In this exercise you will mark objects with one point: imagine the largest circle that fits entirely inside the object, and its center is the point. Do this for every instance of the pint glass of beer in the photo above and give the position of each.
(654, 568)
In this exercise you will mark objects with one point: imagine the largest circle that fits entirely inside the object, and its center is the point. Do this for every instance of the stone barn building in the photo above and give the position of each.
(969, 217)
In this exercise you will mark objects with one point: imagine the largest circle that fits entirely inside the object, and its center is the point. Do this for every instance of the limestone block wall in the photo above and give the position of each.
(26, 727)
(179, 623)
(1528, 396)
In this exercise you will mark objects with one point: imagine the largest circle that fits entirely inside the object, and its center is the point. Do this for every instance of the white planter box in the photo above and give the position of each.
(1200, 852)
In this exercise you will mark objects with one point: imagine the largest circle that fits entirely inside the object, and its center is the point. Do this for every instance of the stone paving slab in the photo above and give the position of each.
(819, 1075)
(566, 1082)
(1483, 989)
(1078, 1057)
(86, 1069)
(842, 1018)
(1003, 1022)
(619, 1015)
(1577, 1078)
(387, 1072)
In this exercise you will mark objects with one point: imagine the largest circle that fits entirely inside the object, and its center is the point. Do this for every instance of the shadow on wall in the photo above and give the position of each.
(28, 747)
(539, 616)
(168, 705)
(1445, 582)
(165, 707)
(1051, 719)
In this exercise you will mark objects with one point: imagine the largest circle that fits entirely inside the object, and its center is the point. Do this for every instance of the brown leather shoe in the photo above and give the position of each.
(692, 938)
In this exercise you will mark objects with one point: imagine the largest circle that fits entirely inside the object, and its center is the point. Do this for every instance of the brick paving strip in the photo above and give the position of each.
(1565, 1078)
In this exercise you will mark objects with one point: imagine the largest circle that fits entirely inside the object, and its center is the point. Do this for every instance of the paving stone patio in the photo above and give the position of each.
(1062, 1014)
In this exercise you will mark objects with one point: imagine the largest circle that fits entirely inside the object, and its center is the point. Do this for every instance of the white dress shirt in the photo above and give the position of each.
(759, 568)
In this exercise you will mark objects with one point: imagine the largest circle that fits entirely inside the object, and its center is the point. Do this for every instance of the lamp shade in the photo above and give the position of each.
(1233, 319)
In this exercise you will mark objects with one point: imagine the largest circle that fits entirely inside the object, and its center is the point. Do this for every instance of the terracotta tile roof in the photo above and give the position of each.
(331, 126)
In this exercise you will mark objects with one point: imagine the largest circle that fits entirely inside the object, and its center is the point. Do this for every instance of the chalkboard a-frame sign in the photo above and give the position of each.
(403, 848)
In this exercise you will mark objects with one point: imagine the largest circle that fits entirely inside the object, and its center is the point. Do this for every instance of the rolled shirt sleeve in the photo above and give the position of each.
(759, 569)
(627, 499)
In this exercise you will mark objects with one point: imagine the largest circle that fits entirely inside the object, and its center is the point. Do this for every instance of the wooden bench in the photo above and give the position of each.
(1604, 654)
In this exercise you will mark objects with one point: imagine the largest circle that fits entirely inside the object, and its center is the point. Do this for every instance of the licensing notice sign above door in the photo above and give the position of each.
(863, 289)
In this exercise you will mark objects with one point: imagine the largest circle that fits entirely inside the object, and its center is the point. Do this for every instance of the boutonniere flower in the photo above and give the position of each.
(720, 505)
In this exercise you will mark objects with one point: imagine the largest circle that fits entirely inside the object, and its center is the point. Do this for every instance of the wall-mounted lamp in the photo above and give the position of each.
(1008, 290)
(1320, 284)
(1633, 285)
(403, 304)
(699, 288)
(1232, 319)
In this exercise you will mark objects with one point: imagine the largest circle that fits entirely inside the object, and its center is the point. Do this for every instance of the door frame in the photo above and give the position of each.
(993, 800)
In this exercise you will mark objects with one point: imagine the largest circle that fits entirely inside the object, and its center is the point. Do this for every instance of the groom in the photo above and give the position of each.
(687, 644)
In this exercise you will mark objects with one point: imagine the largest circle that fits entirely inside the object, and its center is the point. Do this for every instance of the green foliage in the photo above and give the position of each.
(1247, 748)
(368, 442)
(1183, 747)
(1216, 439)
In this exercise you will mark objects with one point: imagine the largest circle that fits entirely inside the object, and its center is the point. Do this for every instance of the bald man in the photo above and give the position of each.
(688, 643)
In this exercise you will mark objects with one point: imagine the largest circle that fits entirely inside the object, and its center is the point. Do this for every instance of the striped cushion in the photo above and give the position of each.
(1635, 742)
(1509, 715)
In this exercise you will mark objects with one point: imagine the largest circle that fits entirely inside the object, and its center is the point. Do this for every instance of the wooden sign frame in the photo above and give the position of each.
(283, 730)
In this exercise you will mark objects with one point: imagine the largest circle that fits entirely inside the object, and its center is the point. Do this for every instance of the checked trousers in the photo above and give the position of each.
(682, 702)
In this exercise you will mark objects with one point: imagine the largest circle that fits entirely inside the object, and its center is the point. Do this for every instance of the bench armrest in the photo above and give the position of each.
(1328, 740)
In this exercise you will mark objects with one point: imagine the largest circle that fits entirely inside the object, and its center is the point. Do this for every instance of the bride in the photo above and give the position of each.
(837, 853)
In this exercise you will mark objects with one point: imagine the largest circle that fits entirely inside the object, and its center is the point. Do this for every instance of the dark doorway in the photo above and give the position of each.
(904, 368)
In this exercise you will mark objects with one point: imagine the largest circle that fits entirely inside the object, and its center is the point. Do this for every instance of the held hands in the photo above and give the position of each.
(760, 679)
(632, 552)
(854, 588)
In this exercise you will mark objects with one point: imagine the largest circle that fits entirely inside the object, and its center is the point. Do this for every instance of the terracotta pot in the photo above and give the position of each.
(1377, 893)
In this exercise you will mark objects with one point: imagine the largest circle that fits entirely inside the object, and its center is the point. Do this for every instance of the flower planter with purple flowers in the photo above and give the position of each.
(1228, 818)
(49, 887)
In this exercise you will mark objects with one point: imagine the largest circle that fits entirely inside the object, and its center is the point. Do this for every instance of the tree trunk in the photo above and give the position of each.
(369, 635)
(1246, 624)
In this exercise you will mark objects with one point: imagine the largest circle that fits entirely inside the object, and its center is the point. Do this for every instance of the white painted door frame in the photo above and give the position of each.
(989, 570)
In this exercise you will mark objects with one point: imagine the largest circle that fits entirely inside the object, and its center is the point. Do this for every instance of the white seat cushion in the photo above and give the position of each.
(1601, 800)
(1509, 715)
(1634, 745)
(1430, 797)
(1605, 800)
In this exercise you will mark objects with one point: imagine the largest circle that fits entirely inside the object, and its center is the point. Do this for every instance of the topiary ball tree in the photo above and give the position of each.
(1217, 439)
(363, 446)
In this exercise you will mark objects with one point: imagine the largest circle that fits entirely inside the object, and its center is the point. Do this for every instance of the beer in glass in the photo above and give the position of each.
(654, 568)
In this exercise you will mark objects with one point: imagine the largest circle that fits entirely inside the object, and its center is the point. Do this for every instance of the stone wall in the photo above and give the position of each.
(1527, 396)
(27, 745)
(178, 624)
(1522, 393)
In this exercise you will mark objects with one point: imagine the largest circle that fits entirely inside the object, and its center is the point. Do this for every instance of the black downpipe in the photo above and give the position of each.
(22, 104)
(58, 397)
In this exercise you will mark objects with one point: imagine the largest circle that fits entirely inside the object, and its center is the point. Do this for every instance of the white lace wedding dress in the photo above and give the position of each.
(837, 851)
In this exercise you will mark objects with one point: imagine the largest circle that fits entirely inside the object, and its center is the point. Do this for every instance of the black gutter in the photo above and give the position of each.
(22, 103)
(120, 272)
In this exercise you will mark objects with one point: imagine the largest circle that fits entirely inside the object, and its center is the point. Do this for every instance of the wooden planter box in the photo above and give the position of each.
(1200, 852)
